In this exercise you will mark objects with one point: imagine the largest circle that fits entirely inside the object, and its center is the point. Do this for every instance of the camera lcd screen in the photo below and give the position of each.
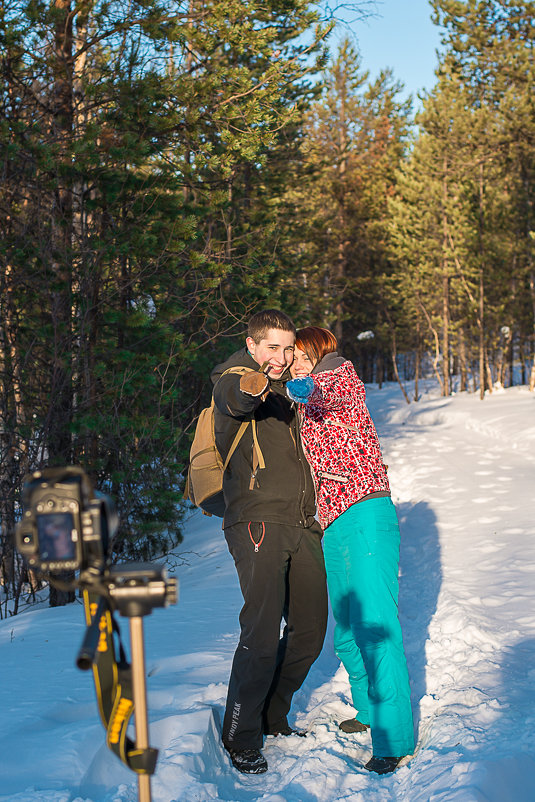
(55, 535)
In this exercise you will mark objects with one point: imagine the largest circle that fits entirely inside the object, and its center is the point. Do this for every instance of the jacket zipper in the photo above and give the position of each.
(334, 476)
(296, 437)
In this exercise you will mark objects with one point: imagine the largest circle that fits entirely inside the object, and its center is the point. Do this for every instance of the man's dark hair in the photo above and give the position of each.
(262, 322)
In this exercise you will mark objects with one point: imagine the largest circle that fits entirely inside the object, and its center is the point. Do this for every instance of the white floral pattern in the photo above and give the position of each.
(346, 463)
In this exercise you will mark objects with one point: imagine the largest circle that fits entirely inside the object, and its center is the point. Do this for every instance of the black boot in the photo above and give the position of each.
(383, 765)
(287, 730)
(248, 761)
(353, 725)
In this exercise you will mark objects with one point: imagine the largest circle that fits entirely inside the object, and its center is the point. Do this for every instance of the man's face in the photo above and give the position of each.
(277, 349)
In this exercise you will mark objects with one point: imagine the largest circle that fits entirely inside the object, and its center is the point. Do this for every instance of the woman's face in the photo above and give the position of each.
(302, 364)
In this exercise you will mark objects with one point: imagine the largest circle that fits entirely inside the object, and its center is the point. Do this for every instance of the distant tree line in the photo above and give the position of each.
(421, 233)
(169, 169)
(461, 227)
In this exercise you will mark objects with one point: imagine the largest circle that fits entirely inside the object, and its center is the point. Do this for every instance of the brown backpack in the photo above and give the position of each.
(204, 482)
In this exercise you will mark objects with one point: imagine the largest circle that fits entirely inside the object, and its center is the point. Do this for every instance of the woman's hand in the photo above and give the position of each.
(300, 389)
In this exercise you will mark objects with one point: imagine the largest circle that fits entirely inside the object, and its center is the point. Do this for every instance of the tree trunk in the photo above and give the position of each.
(532, 295)
(504, 355)
(341, 265)
(380, 369)
(446, 387)
(463, 368)
(13, 449)
(436, 340)
(510, 361)
(60, 410)
(418, 360)
(446, 335)
(481, 337)
(395, 367)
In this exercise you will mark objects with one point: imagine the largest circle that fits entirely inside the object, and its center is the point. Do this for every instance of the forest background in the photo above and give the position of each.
(168, 169)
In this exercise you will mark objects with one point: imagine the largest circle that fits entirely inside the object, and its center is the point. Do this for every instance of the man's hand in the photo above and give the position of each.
(300, 389)
(254, 383)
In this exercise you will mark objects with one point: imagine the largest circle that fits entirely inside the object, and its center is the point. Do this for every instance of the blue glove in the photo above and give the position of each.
(300, 389)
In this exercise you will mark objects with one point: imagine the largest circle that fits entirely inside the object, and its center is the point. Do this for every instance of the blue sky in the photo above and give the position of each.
(399, 35)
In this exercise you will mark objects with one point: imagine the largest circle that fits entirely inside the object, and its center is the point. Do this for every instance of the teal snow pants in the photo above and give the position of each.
(361, 549)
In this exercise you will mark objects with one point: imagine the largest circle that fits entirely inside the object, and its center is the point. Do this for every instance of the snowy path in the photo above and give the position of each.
(471, 467)
(462, 473)
(474, 470)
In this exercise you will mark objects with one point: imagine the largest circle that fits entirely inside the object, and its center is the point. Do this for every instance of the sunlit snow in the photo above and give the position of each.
(463, 478)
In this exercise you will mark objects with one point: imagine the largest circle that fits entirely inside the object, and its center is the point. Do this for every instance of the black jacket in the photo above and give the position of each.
(283, 491)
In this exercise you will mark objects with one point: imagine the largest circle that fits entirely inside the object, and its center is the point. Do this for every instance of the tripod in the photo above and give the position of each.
(140, 699)
(134, 590)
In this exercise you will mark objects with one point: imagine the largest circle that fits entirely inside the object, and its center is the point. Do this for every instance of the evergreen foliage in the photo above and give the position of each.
(168, 170)
(355, 138)
(136, 145)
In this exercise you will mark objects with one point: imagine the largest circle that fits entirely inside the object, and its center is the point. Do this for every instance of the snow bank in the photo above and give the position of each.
(462, 473)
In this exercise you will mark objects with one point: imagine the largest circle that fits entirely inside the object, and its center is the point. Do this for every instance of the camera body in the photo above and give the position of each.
(65, 526)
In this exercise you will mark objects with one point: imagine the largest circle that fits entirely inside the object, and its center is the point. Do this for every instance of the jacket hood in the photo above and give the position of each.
(329, 362)
(242, 358)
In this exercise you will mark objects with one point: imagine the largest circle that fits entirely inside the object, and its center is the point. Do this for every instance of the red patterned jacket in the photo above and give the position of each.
(346, 464)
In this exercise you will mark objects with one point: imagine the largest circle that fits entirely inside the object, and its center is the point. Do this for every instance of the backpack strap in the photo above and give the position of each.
(187, 488)
(258, 458)
(239, 434)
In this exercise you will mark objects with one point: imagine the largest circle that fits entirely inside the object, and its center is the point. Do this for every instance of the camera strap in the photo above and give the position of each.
(113, 685)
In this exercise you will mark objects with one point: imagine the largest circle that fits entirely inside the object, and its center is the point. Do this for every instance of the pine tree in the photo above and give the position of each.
(355, 136)
(136, 144)
(490, 44)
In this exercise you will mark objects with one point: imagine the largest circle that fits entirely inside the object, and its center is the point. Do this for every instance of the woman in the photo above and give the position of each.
(361, 542)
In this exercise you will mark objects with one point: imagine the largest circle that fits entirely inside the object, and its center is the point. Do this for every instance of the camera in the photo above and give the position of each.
(65, 526)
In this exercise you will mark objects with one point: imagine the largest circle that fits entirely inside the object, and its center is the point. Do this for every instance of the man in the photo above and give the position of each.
(273, 537)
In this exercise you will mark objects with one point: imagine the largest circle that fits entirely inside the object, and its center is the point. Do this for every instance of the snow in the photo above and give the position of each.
(462, 474)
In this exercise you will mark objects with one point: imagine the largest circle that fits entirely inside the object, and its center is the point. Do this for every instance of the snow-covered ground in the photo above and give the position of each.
(463, 477)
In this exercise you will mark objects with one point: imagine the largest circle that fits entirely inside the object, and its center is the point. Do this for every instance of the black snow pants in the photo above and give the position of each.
(282, 577)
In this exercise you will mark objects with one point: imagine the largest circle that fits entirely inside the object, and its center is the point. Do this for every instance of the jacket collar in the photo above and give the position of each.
(329, 362)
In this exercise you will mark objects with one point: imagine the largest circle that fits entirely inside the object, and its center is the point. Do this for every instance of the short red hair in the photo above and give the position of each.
(315, 342)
